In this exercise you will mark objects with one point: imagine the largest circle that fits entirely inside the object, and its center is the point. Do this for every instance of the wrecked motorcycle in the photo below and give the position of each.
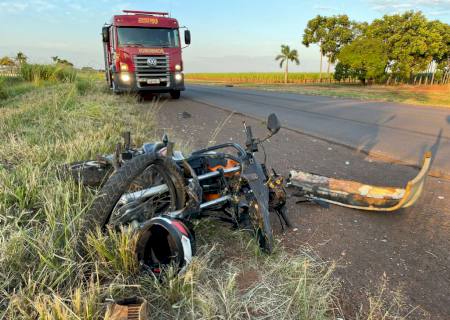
(158, 192)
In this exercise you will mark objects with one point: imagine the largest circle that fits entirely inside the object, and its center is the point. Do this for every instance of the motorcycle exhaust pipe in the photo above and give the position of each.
(149, 192)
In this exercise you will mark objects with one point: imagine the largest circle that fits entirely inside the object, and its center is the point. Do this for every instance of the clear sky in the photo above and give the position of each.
(228, 35)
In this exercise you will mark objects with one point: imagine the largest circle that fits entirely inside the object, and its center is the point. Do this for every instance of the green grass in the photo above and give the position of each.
(47, 72)
(41, 273)
(10, 87)
(35, 75)
(256, 77)
(42, 276)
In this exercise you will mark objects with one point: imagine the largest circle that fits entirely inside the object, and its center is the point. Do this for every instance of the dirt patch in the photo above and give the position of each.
(247, 278)
(411, 248)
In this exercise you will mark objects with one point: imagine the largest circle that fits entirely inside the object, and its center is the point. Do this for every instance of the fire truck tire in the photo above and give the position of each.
(175, 94)
(114, 88)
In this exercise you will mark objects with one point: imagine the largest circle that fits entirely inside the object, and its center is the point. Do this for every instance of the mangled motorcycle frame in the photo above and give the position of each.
(158, 192)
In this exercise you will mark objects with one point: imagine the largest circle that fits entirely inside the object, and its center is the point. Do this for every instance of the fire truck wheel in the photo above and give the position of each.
(175, 94)
(114, 88)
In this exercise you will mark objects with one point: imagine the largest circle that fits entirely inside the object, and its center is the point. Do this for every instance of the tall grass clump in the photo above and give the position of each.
(10, 87)
(47, 72)
(41, 272)
(3, 90)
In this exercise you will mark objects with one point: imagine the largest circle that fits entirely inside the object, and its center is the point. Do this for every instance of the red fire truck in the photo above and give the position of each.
(142, 52)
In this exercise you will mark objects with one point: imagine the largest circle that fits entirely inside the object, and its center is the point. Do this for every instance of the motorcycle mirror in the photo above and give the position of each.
(165, 139)
(273, 124)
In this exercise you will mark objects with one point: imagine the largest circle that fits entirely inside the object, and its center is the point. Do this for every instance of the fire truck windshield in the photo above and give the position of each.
(148, 37)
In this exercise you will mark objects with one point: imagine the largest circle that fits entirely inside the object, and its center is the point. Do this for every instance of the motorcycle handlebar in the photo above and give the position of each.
(242, 153)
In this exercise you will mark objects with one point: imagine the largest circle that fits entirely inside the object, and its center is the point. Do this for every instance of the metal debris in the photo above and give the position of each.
(357, 195)
(133, 308)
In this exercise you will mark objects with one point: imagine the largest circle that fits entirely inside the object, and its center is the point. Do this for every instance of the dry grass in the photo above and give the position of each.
(42, 276)
(388, 304)
(41, 273)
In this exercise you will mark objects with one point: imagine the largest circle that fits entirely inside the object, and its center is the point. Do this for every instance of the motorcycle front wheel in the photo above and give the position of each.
(123, 197)
(261, 225)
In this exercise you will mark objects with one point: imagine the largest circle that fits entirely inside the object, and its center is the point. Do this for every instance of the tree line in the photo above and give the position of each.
(405, 48)
(398, 48)
(21, 59)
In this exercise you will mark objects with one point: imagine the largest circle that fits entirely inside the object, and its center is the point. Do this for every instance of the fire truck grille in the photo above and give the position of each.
(152, 71)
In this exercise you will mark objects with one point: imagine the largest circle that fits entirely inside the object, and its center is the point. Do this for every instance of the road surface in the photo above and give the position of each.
(394, 130)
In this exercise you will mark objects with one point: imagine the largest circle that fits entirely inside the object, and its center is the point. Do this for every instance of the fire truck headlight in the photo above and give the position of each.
(125, 77)
(178, 77)
(178, 67)
(123, 67)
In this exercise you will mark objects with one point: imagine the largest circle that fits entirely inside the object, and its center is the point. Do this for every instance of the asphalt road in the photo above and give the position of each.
(397, 131)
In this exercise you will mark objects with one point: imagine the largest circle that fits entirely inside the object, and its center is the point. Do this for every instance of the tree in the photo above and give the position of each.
(315, 32)
(343, 71)
(441, 55)
(331, 34)
(366, 57)
(21, 58)
(410, 40)
(62, 62)
(339, 33)
(287, 55)
(6, 61)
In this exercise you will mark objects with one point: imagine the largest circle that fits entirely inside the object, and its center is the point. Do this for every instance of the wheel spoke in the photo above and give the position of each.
(147, 196)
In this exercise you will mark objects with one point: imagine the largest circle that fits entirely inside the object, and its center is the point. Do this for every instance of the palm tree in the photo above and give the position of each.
(287, 55)
(21, 58)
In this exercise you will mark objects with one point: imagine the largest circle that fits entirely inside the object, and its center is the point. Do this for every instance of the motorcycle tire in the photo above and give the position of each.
(263, 229)
(121, 180)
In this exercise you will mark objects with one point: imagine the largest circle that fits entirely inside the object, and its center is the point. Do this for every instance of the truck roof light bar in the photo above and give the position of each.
(151, 13)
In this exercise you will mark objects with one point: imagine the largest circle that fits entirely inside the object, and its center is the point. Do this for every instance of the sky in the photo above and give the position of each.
(227, 36)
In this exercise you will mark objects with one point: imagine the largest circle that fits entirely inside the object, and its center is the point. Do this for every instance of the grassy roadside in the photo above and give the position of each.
(41, 274)
(47, 123)
(256, 77)
(436, 95)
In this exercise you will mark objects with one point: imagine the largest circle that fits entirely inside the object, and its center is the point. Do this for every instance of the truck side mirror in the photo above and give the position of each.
(187, 37)
(273, 124)
(105, 34)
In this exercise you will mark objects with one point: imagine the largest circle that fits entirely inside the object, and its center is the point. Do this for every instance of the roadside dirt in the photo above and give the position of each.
(410, 248)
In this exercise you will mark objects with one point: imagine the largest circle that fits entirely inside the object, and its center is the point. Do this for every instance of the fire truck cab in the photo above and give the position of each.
(142, 53)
